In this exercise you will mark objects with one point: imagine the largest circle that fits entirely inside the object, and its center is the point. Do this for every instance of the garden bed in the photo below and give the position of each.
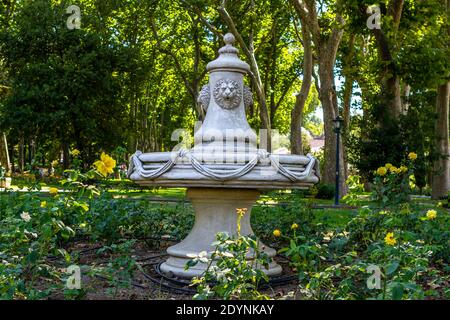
(101, 282)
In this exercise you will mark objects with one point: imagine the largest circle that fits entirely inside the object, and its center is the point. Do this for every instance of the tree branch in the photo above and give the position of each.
(174, 57)
(230, 23)
(198, 12)
(395, 10)
(302, 97)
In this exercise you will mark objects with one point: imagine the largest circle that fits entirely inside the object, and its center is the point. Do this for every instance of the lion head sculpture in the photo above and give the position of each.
(227, 94)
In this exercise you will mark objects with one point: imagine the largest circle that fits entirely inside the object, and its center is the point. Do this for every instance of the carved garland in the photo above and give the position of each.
(221, 175)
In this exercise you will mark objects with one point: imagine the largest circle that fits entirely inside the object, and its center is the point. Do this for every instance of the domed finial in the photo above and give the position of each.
(229, 39)
(228, 57)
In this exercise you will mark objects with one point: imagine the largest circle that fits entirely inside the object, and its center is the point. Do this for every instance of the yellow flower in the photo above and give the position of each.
(381, 171)
(388, 166)
(393, 169)
(277, 233)
(44, 204)
(403, 169)
(105, 165)
(431, 214)
(76, 152)
(55, 163)
(241, 211)
(294, 226)
(389, 239)
(412, 156)
(53, 191)
(440, 204)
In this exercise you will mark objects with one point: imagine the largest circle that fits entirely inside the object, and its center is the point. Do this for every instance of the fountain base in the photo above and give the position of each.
(215, 211)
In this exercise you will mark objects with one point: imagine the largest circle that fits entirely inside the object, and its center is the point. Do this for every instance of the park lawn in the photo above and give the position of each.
(156, 193)
(334, 217)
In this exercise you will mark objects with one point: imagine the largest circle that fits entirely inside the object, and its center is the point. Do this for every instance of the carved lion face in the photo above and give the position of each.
(227, 94)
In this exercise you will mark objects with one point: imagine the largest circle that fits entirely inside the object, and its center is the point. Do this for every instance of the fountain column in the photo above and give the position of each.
(215, 211)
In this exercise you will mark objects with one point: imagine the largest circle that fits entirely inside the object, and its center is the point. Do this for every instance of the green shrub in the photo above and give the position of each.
(325, 191)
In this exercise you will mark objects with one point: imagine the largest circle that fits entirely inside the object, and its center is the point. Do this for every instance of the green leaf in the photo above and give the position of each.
(392, 267)
(397, 292)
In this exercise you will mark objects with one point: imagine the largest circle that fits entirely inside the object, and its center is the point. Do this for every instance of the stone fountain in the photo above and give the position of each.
(225, 169)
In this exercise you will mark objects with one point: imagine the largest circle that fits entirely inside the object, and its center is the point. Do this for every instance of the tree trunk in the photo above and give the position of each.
(4, 153)
(348, 84)
(12, 159)
(66, 152)
(21, 154)
(300, 101)
(326, 46)
(390, 78)
(296, 124)
(347, 96)
(405, 98)
(441, 170)
(330, 112)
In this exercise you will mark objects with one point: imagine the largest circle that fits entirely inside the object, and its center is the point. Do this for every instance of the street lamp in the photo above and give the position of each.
(337, 129)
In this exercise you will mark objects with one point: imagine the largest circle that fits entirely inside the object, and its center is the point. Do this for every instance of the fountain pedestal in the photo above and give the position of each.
(215, 211)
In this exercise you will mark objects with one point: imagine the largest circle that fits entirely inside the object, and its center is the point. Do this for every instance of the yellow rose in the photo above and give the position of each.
(381, 171)
(393, 169)
(277, 233)
(412, 156)
(44, 204)
(389, 239)
(105, 165)
(403, 169)
(53, 191)
(76, 152)
(388, 166)
(294, 226)
(431, 214)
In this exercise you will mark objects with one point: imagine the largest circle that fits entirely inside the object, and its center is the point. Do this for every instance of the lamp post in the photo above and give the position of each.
(337, 129)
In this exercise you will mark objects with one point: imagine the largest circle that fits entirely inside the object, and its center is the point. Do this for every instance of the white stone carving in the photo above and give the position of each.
(227, 94)
(204, 97)
(248, 97)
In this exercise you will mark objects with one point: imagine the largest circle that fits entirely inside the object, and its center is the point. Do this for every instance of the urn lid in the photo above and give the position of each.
(228, 58)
